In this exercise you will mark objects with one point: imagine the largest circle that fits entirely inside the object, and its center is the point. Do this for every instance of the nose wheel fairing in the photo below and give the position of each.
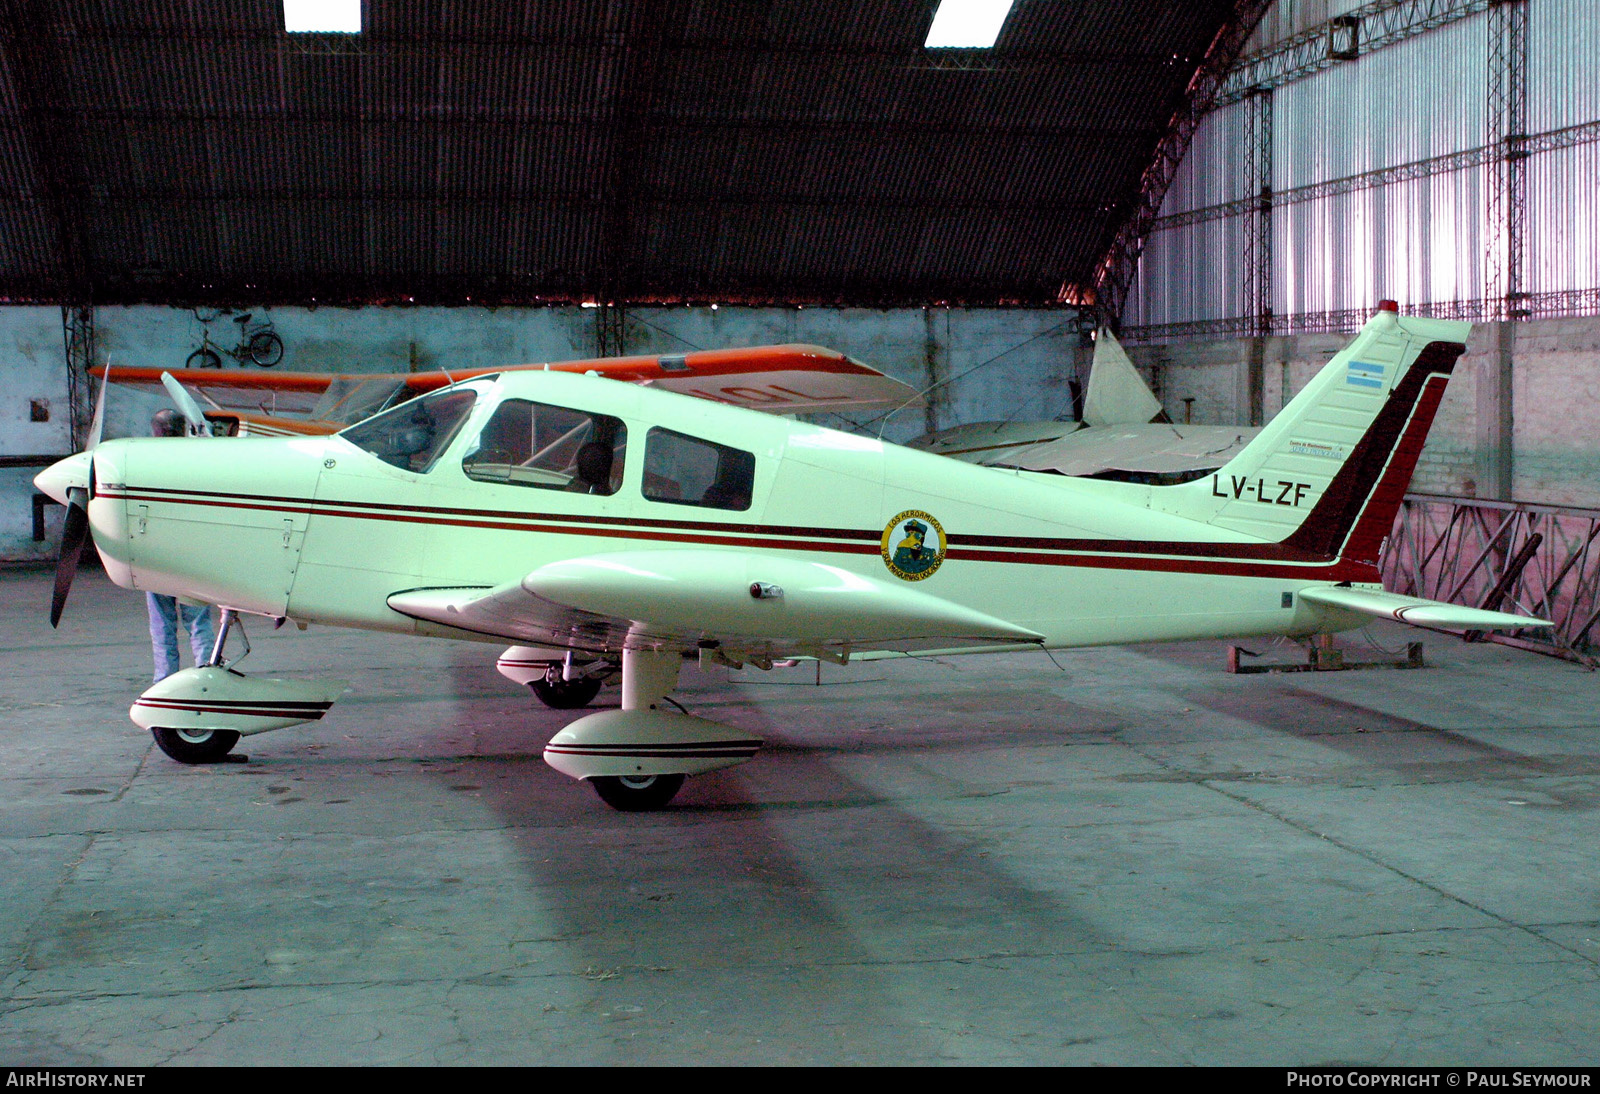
(213, 699)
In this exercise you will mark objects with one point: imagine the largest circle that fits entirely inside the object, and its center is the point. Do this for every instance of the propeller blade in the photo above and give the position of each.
(98, 425)
(186, 405)
(74, 541)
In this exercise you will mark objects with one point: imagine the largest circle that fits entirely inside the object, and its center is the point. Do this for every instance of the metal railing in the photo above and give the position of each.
(1539, 560)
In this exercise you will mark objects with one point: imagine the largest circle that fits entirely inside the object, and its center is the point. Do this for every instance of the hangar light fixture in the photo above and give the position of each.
(967, 24)
(322, 16)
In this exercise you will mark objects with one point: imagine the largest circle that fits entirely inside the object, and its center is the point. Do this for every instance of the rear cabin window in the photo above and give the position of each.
(684, 470)
(413, 435)
(549, 448)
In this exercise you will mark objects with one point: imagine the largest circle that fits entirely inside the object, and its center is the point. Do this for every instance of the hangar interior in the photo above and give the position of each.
(1119, 855)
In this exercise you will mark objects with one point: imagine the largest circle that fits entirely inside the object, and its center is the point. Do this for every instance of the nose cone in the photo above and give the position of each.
(68, 474)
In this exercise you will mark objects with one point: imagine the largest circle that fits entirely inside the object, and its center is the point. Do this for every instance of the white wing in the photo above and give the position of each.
(766, 606)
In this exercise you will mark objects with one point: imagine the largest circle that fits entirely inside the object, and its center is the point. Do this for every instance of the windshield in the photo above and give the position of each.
(412, 435)
(352, 398)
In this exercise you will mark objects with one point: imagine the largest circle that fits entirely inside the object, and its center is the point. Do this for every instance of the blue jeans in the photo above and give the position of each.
(164, 613)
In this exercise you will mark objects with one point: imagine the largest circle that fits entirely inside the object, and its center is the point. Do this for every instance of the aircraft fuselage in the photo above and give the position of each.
(323, 531)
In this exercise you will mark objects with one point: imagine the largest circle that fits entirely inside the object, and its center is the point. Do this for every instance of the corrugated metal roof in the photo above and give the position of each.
(771, 150)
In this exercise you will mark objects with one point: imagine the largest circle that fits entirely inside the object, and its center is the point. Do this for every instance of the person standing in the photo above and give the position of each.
(165, 611)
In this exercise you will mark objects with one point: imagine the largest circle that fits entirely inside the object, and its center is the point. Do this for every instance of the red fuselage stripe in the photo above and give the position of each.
(1232, 559)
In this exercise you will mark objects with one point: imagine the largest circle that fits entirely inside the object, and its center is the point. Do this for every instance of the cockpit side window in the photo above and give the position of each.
(684, 470)
(549, 448)
(413, 434)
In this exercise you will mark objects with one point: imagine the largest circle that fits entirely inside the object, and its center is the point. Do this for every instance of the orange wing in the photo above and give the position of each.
(786, 379)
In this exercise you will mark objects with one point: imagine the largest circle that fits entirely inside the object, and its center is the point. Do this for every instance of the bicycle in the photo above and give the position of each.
(259, 344)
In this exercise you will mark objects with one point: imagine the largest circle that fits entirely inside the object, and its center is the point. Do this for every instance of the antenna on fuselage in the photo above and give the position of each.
(883, 423)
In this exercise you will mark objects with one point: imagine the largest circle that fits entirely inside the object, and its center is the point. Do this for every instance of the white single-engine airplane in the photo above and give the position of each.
(595, 521)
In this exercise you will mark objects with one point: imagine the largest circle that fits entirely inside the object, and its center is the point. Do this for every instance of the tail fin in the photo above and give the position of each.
(1117, 394)
(1324, 478)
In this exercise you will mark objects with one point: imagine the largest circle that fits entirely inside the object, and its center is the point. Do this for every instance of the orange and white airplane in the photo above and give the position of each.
(782, 379)
(600, 524)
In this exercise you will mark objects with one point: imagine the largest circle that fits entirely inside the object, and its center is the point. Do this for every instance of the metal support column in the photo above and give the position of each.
(1506, 214)
(1258, 222)
(1258, 245)
(1505, 226)
(77, 335)
(610, 330)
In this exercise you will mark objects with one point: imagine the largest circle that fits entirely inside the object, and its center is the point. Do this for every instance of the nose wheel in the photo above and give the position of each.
(637, 793)
(195, 746)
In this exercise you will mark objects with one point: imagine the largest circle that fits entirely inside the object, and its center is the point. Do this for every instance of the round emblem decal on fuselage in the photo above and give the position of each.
(913, 545)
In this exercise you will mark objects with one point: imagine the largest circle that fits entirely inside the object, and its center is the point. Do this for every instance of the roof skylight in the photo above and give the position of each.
(322, 16)
(967, 24)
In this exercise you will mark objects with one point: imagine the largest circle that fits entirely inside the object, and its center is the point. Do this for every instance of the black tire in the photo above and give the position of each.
(637, 793)
(266, 348)
(191, 746)
(204, 357)
(559, 694)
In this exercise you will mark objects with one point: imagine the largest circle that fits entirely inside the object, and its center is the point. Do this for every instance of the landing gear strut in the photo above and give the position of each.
(197, 715)
(203, 746)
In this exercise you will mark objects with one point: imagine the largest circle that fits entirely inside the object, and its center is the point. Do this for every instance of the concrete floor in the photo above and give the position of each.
(1131, 859)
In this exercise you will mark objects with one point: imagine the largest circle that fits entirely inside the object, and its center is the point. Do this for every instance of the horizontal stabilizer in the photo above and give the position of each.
(1416, 610)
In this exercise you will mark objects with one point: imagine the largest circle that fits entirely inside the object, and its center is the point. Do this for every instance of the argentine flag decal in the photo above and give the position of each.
(1363, 374)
